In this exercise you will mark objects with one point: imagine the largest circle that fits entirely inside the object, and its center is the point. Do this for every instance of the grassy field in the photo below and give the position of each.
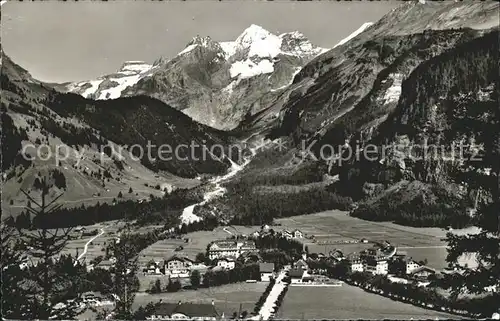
(348, 302)
(197, 242)
(327, 227)
(227, 298)
(96, 247)
(331, 226)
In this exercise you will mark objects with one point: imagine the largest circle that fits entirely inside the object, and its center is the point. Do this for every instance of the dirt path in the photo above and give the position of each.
(86, 247)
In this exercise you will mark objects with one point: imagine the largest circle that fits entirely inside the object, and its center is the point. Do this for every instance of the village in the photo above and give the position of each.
(279, 259)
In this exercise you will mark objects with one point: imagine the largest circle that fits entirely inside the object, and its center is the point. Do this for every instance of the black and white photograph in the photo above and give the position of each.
(216, 160)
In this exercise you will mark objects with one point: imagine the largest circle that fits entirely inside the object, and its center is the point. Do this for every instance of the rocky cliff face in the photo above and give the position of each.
(215, 83)
(390, 86)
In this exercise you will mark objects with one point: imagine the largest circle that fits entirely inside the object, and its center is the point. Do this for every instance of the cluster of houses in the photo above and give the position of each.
(223, 253)
(175, 267)
(377, 262)
(266, 229)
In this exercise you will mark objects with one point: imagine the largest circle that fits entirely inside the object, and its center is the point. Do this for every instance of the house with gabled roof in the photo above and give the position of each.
(411, 265)
(301, 264)
(287, 234)
(266, 271)
(422, 273)
(153, 267)
(177, 266)
(227, 263)
(297, 234)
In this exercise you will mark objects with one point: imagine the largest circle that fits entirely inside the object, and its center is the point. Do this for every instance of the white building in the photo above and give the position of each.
(297, 234)
(231, 248)
(377, 266)
(356, 265)
(227, 263)
(411, 265)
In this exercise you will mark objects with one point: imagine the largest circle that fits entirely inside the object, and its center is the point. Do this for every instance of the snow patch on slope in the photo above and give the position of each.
(94, 84)
(363, 27)
(392, 93)
(115, 92)
(229, 48)
(247, 69)
(188, 49)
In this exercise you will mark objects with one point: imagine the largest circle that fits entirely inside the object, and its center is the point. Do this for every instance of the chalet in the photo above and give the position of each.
(422, 273)
(301, 264)
(177, 266)
(297, 234)
(377, 266)
(153, 268)
(296, 275)
(79, 229)
(178, 262)
(227, 263)
(234, 248)
(287, 234)
(411, 265)
(185, 311)
(337, 255)
(266, 271)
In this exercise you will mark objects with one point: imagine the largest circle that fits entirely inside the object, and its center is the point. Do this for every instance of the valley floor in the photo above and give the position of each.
(348, 302)
(331, 228)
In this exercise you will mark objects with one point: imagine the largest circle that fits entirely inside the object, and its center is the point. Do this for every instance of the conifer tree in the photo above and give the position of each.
(49, 286)
(485, 245)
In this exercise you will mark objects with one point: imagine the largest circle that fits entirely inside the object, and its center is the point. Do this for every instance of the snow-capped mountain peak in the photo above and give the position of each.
(253, 34)
(205, 78)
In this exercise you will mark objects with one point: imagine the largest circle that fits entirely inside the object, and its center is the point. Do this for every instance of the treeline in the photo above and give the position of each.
(70, 134)
(252, 208)
(167, 208)
(277, 241)
(11, 142)
(274, 248)
(147, 122)
(171, 286)
(424, 296)
(415, 213)
(305, 174)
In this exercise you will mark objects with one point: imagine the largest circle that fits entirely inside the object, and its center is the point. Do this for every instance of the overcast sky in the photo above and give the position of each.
(69, 41)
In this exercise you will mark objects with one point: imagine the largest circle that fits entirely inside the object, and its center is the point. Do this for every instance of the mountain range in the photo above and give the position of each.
(215, 83)
(425, 72)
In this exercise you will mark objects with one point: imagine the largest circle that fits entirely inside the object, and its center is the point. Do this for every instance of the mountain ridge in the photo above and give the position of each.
(208, 76)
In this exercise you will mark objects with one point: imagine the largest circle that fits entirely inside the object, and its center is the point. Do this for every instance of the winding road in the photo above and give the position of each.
(86, 247)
